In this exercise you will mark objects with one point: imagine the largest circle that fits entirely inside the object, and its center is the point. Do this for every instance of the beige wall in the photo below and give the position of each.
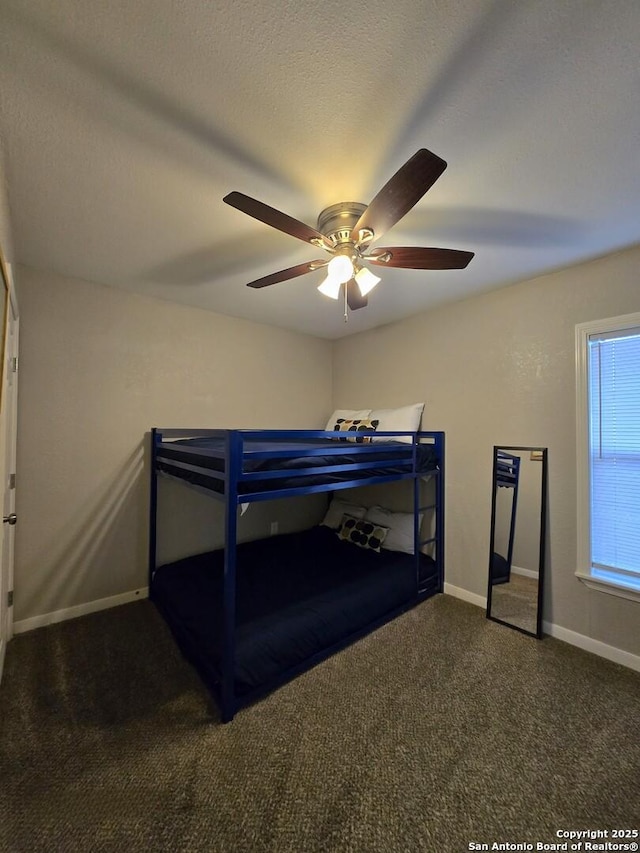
(99, 367)
(5, 223)
(500, 369)
(5, 530)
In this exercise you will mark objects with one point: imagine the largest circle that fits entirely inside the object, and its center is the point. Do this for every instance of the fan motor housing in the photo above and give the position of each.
(337, 221)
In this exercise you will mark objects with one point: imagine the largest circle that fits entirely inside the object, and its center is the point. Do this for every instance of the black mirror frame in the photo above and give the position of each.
(543, 538)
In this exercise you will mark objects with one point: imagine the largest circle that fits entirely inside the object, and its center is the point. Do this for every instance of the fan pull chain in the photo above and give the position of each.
(346, 304)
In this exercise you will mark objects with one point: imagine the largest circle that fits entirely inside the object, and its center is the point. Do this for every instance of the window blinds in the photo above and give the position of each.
(614, 443)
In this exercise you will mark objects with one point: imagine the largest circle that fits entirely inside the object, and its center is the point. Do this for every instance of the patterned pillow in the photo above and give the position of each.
(358, 425)
(362, 533)
(346, 413)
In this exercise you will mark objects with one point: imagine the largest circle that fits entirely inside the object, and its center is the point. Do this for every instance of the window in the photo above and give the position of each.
(608, 366)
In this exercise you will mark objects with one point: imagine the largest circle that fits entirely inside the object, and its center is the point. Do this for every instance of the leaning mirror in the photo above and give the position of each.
(516, 555)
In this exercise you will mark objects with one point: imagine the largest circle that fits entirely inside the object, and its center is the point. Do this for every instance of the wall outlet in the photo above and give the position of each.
(273, 529)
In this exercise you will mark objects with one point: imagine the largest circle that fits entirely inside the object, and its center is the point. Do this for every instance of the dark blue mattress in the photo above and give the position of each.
(297, 594)
(500, 569)
(208, 453)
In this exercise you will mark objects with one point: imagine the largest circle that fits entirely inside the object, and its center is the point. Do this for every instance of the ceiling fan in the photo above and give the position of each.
(346, 231)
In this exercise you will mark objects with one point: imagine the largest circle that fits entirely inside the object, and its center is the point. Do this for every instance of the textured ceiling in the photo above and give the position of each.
(125, 123)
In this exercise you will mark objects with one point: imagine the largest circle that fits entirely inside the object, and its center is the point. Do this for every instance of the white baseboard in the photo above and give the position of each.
(594, 646)
(572, 637)
(78, 610)
(526, 573)
(465, 595)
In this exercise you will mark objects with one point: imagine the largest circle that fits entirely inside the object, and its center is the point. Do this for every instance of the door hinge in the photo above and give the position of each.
(14, 363)
(10, 598)
(12, 481)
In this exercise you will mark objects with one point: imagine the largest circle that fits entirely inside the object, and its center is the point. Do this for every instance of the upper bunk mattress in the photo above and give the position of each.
(388, 458)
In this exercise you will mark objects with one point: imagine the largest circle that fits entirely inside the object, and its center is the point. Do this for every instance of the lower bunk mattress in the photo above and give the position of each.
(298, 595)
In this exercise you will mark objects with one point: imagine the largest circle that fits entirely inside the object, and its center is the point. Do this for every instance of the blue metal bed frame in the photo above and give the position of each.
(507, 476)
(233, 476)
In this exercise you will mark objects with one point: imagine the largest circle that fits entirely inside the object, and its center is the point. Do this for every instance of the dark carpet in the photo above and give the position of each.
(439, 730)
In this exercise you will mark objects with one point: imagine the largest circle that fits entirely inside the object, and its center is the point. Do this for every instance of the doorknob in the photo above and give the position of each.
(10, 519)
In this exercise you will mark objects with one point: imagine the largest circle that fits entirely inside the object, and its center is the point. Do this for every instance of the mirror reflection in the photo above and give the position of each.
(516, 564)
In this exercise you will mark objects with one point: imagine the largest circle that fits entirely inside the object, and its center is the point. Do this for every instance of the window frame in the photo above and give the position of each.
(583, 460)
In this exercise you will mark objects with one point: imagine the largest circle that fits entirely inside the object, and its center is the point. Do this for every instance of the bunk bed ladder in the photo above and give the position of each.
(438, 506)
(440, 496)
(417, 544)
(232, 474)
(512, 526)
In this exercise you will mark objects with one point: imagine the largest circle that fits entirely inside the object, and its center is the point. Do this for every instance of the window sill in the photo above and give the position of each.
(621, 590)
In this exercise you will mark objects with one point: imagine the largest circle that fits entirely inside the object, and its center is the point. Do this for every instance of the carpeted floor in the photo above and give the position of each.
(439, 730)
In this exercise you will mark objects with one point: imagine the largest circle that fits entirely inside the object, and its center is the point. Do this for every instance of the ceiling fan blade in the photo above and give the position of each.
(400, 193)
(414, 258)
(291, 272)
(355, 299)
(277, 219)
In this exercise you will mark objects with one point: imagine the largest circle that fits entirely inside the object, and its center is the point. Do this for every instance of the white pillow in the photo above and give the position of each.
(346, 414)
(405, 419)
(337, 509)
(400, 524)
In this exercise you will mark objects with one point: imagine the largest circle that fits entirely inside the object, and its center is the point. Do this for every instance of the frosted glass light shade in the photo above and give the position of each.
(366, 280)
(330, 287)
(340, 268)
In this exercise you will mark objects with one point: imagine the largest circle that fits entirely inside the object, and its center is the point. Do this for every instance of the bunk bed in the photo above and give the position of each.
(506, 476)
(251, 616)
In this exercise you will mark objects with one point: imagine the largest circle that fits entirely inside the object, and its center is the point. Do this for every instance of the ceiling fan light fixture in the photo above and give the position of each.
(340, 268)
(330, 287)
(366, 280)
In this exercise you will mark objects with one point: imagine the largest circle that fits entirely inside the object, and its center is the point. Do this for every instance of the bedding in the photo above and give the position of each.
(404, 419)
(345, 414)
(362, 533)
(500, 570)
(362, 426)
(297, 595)
(400, 526)
(338, 508)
